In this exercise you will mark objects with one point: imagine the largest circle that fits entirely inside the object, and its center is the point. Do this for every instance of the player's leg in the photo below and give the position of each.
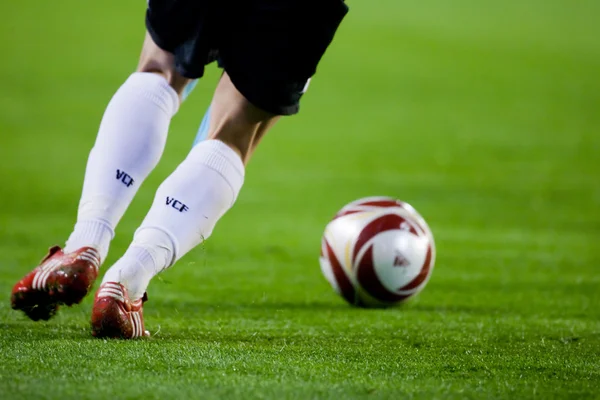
(267, 73)
(186, 207)
(129, 144)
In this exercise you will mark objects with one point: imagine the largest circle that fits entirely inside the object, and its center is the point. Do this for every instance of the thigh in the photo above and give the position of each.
(271, 48)
(184, 28)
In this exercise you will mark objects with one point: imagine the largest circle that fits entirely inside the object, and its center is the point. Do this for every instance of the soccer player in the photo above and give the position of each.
(268, 49)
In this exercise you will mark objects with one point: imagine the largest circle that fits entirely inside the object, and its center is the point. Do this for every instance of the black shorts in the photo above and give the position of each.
(269, 48)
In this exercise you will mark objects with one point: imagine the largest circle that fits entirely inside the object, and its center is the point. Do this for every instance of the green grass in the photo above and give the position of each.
(484, 115)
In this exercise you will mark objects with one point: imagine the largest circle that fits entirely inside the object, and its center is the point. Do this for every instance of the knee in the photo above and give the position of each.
(155, 66)
(158, 61)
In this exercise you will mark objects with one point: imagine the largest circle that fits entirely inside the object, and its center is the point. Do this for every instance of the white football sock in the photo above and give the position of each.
(148, 254)
(130, 142)
(186, 208)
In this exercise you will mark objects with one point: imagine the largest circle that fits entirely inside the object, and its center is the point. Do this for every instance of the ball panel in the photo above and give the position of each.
(344, 284)
(420, 279)
(377, 201)
(341, 234)
(369, 281)
(399, 257)
(383, 202)
(385, 222)
(373, 203)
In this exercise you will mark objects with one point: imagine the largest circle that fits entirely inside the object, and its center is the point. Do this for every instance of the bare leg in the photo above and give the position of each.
(235, 121)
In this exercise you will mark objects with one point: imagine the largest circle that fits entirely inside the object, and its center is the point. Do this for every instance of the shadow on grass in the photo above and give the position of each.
(456, 309)
(201, 306)
(252, 306)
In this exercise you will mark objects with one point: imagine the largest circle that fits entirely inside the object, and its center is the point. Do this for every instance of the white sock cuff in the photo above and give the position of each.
(95, 233)
(155, 88)
(90, 227)
(221, 158)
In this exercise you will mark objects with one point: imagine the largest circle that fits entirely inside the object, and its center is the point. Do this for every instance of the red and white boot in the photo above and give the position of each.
(59, 279)
(114, 315)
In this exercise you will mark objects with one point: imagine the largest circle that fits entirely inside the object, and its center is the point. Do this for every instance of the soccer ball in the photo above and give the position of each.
(377, 252)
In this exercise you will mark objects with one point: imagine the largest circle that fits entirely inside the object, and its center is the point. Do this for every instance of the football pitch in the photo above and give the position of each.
(485, 116)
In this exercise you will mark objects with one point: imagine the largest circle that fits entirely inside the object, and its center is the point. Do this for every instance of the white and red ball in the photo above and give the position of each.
(377, 251)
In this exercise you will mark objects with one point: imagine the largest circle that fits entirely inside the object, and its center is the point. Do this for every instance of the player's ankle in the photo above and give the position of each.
(150, 253)
(91, 233)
